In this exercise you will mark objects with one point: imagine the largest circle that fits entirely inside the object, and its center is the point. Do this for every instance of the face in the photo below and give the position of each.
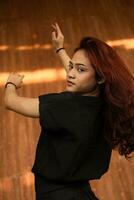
(81, 73)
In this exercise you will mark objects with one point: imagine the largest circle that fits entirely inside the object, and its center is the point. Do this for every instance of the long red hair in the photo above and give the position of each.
(117, 91)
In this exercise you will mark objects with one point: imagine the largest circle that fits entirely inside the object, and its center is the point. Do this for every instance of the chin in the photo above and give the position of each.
(69, 90)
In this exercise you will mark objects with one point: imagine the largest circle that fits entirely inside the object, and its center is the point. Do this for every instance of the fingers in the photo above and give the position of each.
(57, 28)
(55, 32)
(53, 26)
(53, 35)
(23, 76)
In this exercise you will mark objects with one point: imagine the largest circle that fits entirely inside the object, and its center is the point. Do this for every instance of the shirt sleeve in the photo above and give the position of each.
(55, 110)
(45, 103)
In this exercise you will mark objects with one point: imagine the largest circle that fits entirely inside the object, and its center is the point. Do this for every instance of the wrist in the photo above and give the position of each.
(60, 49)
(10, 84)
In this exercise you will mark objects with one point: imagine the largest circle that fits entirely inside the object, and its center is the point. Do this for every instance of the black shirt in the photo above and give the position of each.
(71, 146)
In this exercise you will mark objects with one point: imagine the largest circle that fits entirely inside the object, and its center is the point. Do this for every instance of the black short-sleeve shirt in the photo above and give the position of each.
(71, 145)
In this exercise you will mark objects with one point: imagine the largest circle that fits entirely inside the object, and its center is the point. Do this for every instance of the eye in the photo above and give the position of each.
(70, 66)
(81, 70)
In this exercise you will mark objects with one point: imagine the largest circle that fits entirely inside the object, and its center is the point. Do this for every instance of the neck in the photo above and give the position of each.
(94, 92)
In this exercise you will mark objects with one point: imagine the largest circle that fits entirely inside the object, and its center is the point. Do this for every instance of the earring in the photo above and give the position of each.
(98, 80)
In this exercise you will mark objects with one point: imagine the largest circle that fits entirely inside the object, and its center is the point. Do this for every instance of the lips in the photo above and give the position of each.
(70, 82)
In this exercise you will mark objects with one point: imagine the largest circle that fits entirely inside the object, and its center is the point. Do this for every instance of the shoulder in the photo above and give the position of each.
(54, 97)
(71, 98)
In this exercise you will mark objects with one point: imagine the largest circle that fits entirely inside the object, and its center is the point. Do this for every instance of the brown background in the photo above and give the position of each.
(25, 47)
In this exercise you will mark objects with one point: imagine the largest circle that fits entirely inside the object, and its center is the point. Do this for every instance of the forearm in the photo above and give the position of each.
(9, 93)
(28, 107)
(64, 58)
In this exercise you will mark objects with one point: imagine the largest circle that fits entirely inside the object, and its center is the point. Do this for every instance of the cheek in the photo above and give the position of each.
(88, 78)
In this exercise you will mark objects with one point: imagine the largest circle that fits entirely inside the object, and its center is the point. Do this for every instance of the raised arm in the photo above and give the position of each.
(26, 106)
(58, 42)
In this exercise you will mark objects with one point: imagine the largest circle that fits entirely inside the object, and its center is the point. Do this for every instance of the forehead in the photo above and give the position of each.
(81, 57)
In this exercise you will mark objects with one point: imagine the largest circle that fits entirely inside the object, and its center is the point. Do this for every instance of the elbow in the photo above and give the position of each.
(7, 107)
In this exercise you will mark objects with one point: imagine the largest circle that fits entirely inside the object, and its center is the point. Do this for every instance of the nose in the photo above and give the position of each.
(71, 74)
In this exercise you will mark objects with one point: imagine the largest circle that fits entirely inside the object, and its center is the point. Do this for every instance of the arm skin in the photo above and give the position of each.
(58, 42)
(64, 58)
(26, 106)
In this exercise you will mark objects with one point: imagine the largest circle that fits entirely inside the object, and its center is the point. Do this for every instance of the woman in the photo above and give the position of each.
(79, 126)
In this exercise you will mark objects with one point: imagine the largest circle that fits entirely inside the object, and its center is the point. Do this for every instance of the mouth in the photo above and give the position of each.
(70, 83)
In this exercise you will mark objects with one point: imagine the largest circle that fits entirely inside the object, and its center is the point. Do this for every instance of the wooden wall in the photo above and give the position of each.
(25, 47)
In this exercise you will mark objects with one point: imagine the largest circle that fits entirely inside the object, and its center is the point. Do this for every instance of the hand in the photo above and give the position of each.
(57, 37)
(16, 79)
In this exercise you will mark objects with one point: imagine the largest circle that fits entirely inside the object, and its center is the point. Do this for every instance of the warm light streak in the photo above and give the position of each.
(6, 183)
(125, 43)
(26, 47)
(27, 179)
(4, 47)
(37, 76)
(34, 47)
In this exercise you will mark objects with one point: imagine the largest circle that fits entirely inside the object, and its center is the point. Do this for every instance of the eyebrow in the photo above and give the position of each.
(77, 63)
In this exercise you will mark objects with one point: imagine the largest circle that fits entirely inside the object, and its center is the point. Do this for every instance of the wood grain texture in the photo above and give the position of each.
(25, 47)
